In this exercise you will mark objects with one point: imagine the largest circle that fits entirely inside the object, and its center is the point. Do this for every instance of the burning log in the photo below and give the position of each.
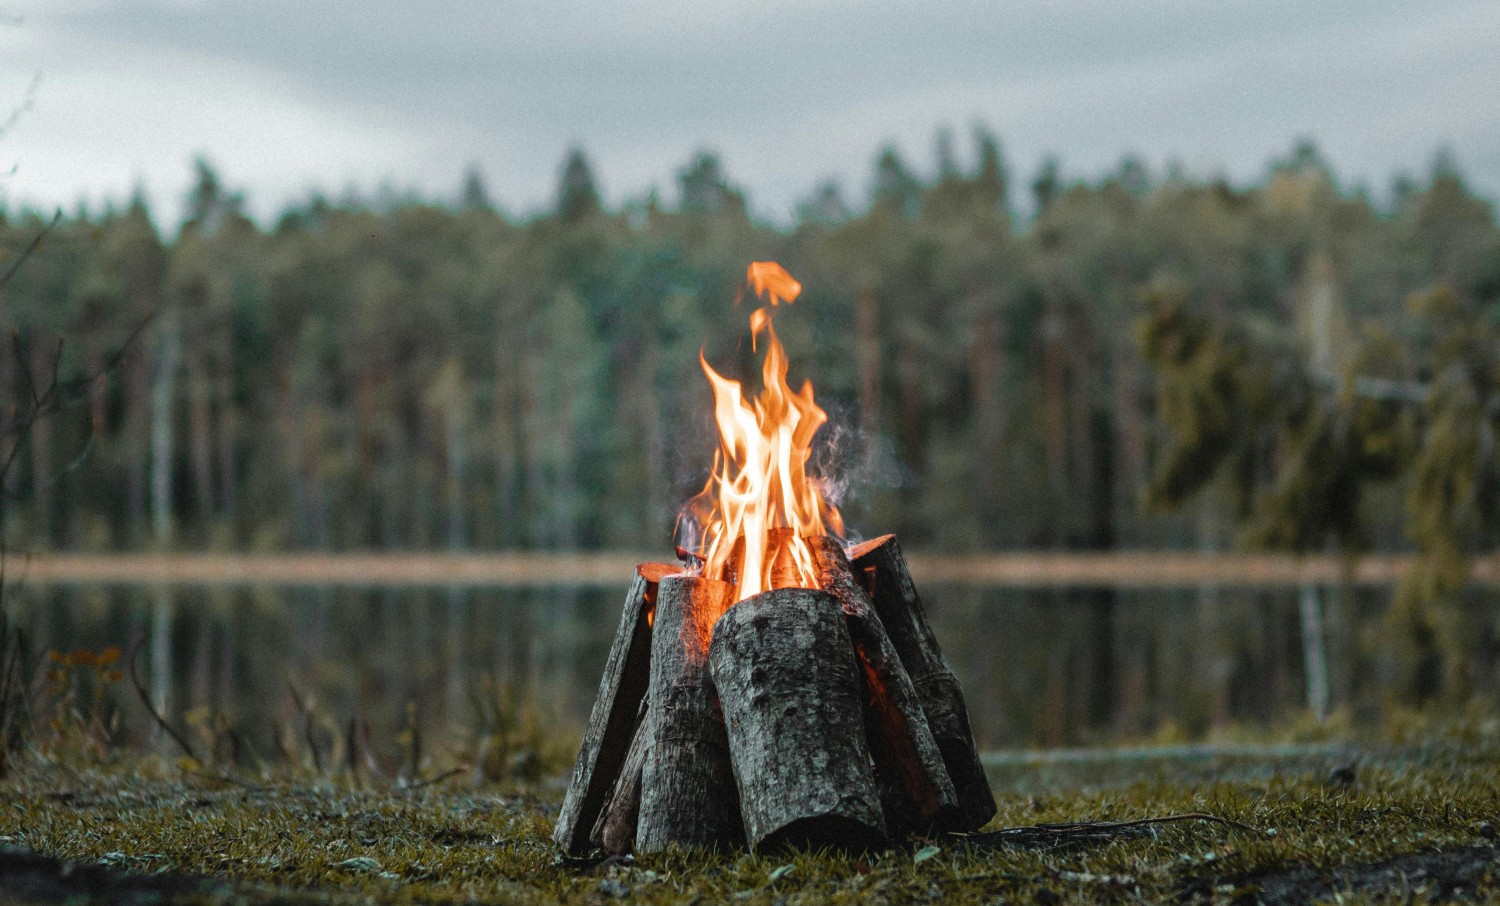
(687, 785)
(915, 788)
(882, 568)
(612, 724)
(786, 676)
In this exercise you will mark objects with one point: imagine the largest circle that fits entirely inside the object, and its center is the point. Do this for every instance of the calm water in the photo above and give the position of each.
(1038, 667)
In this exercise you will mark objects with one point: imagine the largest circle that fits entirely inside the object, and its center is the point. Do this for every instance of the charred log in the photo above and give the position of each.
(784, 667)
(614, 832)
(881, 568)
(915, 789)
(611, 726)
(687, 785)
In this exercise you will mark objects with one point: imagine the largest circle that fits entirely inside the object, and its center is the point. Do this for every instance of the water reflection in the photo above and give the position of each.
(1039, 667)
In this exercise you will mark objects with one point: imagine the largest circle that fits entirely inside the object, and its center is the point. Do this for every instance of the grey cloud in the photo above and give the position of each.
(642, 85)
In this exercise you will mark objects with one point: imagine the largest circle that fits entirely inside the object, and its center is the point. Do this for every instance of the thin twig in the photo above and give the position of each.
(438, 779)
(140, 689)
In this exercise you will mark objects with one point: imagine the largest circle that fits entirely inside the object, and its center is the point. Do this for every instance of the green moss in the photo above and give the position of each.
(453, 843)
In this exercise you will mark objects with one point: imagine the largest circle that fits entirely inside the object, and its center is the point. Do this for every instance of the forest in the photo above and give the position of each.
(409, 374)
(1141, 361)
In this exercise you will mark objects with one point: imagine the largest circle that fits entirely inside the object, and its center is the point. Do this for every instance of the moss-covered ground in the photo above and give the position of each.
(1393, 820)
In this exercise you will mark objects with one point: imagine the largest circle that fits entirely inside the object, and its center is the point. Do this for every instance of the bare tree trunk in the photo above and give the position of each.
(1054, 394)
(867, 358)
(1102, 600)
(986, 367)
(42, 474)
(1216, 663)
(458, 597)
(163, 396)
(507, 421)
(1314, 651)
(658, 506)
(228, 427)
(1129, 420)
(137, 444)
(200, 428)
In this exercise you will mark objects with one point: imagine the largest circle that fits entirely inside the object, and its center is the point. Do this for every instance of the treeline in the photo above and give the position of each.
(421, 375)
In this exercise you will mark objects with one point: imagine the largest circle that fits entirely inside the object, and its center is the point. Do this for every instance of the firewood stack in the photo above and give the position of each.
(800, 717)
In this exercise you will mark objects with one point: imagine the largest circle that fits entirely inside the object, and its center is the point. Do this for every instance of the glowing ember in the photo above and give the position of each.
(759, 502)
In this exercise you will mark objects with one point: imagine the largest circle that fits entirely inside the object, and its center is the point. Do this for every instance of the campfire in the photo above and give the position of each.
(775, 689)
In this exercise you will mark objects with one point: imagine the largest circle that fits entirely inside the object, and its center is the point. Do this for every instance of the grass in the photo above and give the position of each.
(1367, 824)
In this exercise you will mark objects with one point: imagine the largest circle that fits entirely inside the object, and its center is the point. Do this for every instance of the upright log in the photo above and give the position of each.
(611, 725)
(687, 785)
(880, 566)
(614, 832)
(915, 789)
(786, 676)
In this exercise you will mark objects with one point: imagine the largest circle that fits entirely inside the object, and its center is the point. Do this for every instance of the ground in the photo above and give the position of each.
(1409, 819)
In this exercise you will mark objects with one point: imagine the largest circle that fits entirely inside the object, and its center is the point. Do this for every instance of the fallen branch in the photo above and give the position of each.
(452, 772)
(1087, 830)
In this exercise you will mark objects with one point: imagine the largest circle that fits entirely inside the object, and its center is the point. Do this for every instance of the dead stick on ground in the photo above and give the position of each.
(1086, 829)
(451, 772)
(140, 689)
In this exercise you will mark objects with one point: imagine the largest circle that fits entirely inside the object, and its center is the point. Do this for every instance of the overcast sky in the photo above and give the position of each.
(285, 96)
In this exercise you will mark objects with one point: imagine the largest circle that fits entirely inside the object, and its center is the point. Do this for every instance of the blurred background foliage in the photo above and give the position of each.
(1144, 360)
(405, 374)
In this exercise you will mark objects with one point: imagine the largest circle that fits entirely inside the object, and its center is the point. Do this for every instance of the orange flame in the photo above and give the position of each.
(759, 480)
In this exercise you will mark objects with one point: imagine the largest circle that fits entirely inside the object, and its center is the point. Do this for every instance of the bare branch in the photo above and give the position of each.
(140, 690)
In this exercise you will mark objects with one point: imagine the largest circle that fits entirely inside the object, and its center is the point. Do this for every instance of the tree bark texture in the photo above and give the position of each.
(687, 785)
(611, 726)
(881, 567)
(915, 789)
(614, 831)
(784, 667)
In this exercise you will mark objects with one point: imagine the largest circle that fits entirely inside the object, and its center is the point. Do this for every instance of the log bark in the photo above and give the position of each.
(880, 566)
(785, 671)
(917, 794)
(687, 785)
(611, 727)
(614, 832)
